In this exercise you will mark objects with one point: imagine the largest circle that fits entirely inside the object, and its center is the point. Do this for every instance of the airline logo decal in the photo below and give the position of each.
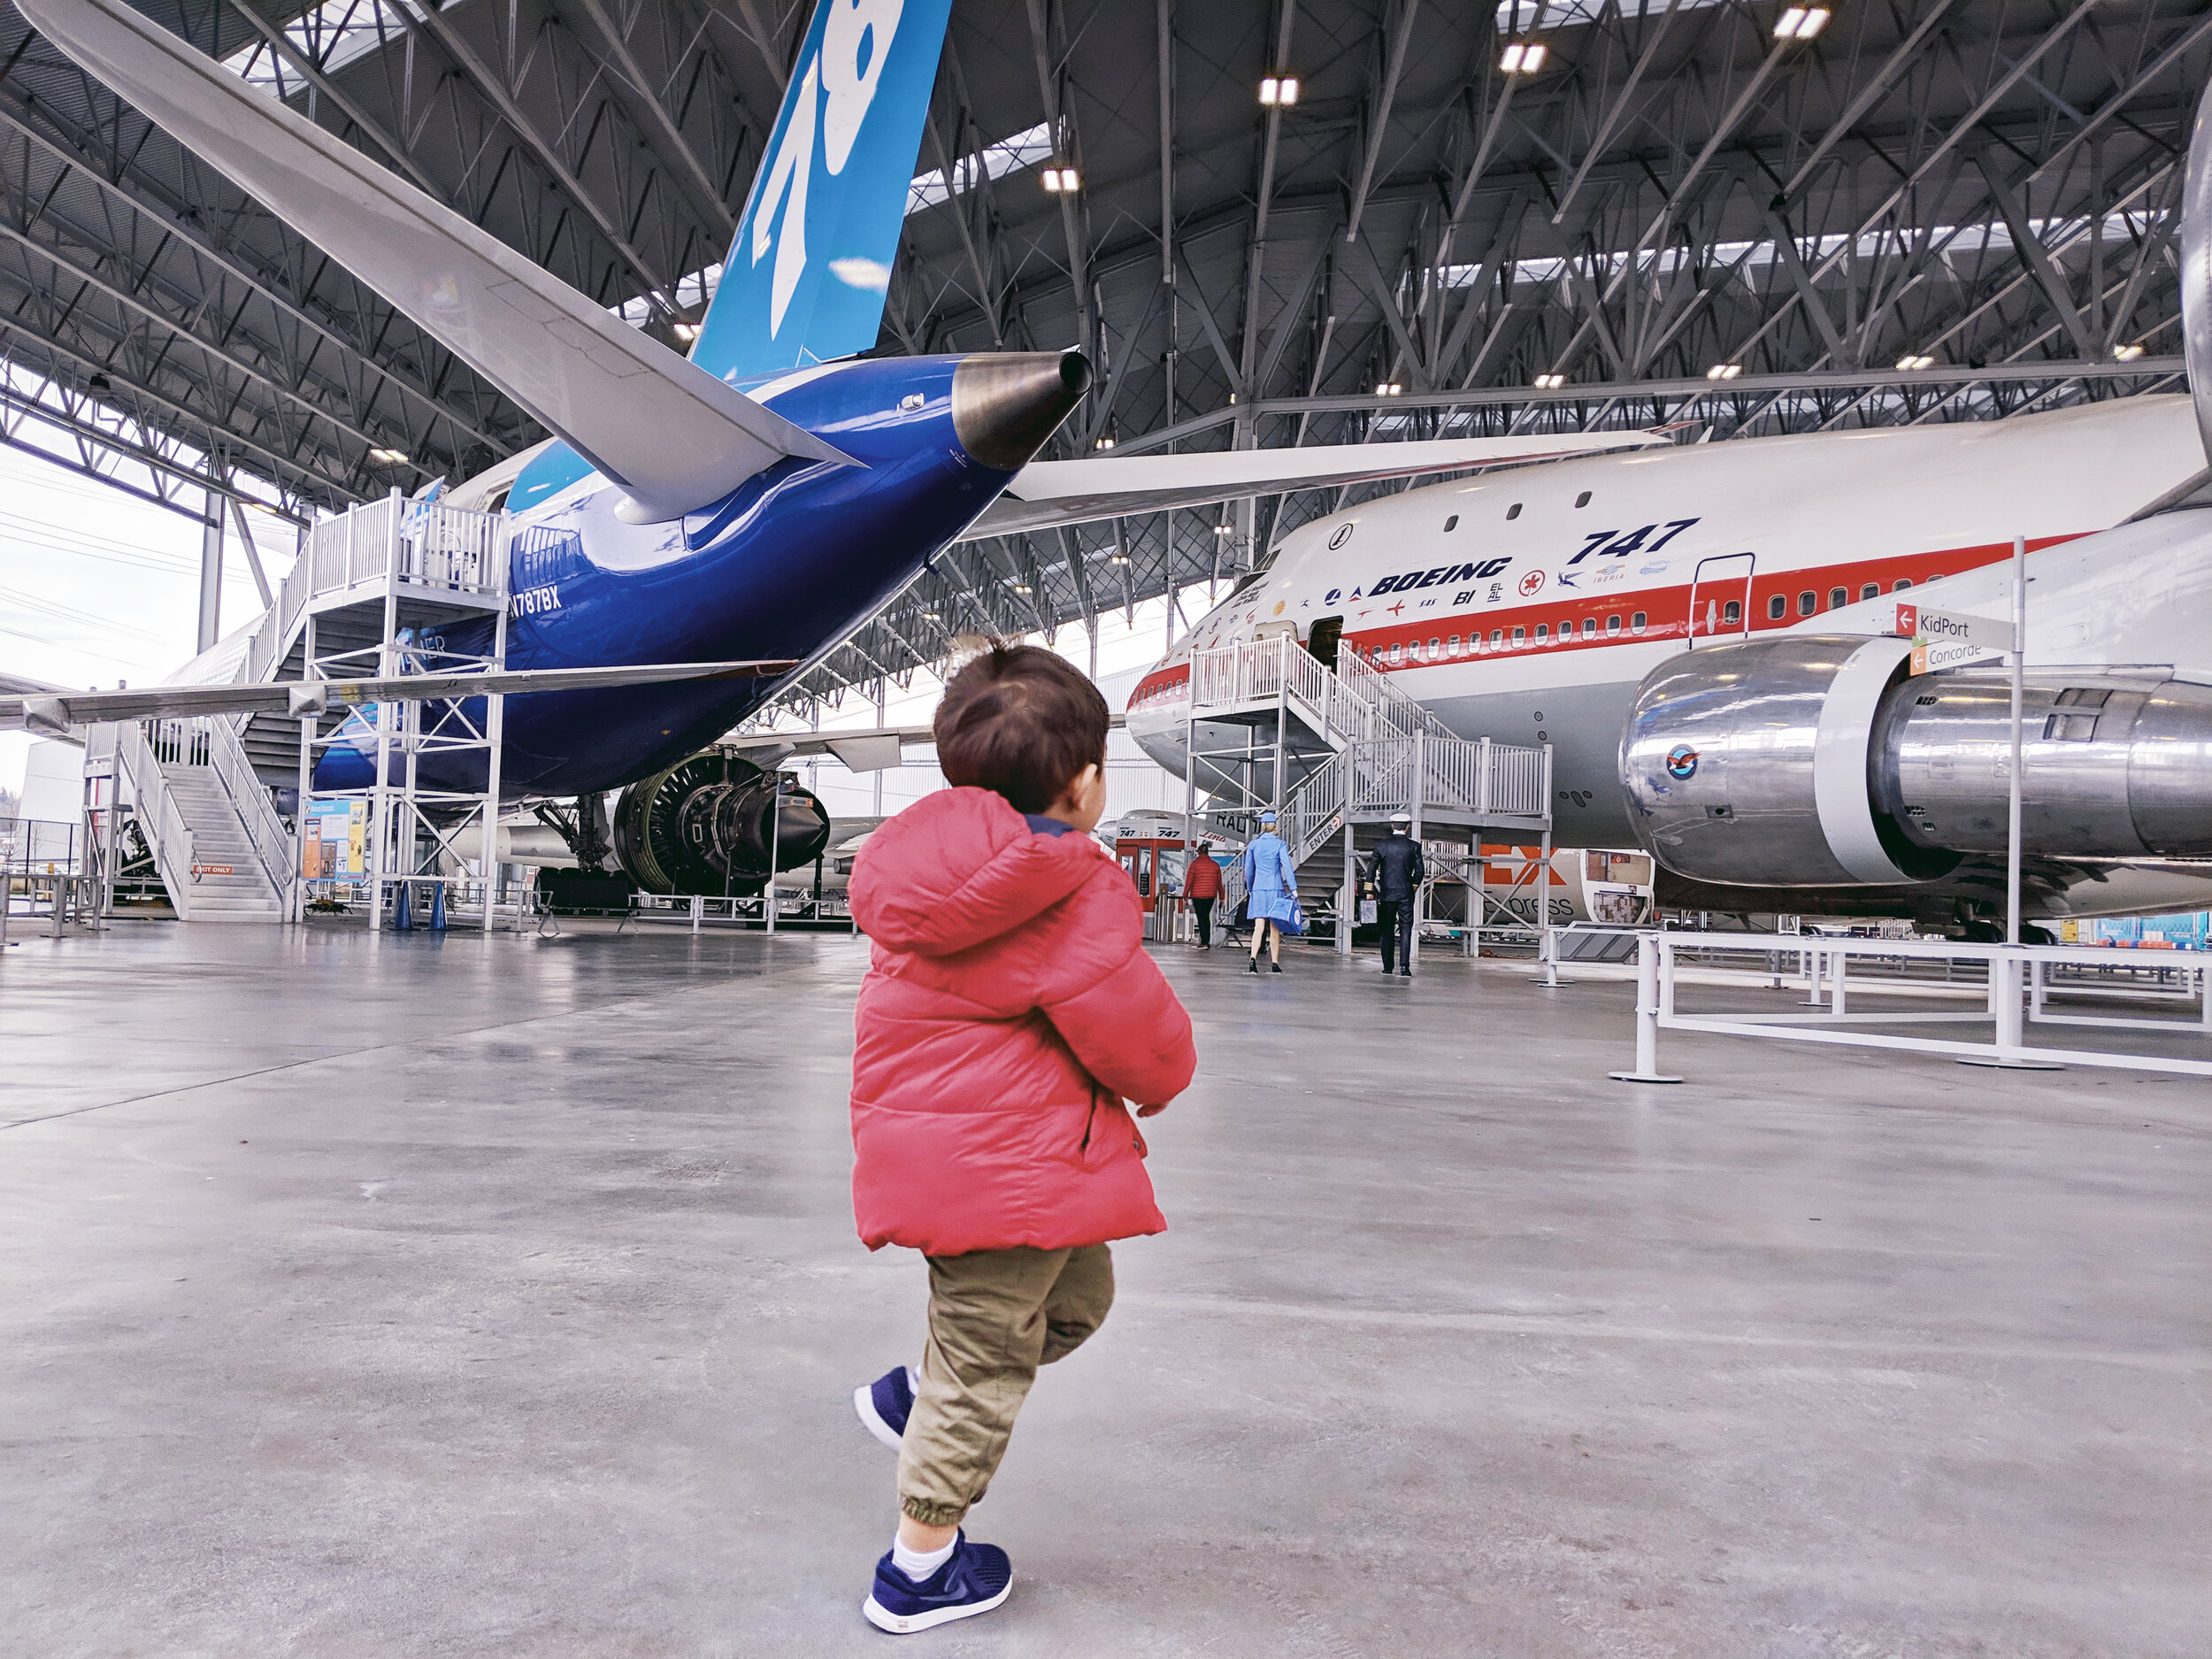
(1531, 582)
(1343, 534)
(1681, 762)
(1442, 575)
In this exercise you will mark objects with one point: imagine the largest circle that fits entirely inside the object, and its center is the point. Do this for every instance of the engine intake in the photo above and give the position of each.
(714, 824)
(1816, 760)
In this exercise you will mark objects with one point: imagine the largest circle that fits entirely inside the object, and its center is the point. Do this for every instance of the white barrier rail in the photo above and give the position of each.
(2010, 970)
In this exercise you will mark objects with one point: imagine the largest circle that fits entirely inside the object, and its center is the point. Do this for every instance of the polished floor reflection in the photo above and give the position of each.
(455, 1296)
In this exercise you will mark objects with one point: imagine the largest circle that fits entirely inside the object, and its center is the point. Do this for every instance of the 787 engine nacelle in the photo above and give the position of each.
(1814, 760)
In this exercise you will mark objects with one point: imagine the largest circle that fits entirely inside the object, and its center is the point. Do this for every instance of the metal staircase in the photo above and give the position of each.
(1335, 752)
(200, 789)
(222, 851)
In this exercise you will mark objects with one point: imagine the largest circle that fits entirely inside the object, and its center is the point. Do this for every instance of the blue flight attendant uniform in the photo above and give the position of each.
(1270, 878)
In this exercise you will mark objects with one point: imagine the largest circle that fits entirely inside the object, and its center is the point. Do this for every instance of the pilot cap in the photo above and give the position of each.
(1401, 817)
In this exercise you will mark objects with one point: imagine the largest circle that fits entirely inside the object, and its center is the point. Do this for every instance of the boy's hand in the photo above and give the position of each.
(1151, 1111)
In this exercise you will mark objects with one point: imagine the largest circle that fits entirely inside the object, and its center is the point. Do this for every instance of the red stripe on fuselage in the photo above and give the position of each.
(1666, 612)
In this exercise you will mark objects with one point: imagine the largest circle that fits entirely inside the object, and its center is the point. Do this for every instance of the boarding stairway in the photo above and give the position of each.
(1335, 752)
(200, 789)
(223, 853)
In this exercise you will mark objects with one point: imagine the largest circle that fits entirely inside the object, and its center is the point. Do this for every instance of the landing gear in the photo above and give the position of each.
(585, 830)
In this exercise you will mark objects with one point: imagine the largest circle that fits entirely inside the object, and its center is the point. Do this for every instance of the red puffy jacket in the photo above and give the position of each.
(1008, 1010)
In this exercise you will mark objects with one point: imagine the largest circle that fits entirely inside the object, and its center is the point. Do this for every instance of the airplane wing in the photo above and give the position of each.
(870, 749)
(53, 713)
(669, 432)
(1047, 493)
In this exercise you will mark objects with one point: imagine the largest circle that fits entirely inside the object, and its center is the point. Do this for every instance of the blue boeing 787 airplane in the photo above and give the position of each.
(755, 501)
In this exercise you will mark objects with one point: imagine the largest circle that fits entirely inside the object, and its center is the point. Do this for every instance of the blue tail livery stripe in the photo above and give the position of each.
(805, 280)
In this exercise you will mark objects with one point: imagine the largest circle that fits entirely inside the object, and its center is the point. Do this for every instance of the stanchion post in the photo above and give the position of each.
(1647, 1017)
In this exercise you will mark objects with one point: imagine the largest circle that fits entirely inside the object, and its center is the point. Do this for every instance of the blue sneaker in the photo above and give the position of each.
(885, 1404)
(977, 1578)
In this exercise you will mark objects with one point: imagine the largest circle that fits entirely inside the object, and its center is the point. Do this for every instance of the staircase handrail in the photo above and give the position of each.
(165, 830)
(1315, 811)
(249, 798)
(1369, 685)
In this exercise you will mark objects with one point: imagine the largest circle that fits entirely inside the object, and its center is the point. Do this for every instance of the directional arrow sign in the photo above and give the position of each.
(1951, 639)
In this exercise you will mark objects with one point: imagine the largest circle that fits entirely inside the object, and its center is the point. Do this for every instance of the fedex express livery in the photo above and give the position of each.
(1527, 604)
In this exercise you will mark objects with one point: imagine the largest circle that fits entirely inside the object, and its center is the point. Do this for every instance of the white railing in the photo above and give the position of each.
(435, 546)
(269, 642)
(2007, 970)
(164, 825)
(1369, 686)
(249, 798)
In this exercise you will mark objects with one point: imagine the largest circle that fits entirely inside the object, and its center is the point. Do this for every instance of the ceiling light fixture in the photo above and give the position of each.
(1278, 91)
(390, 457)
(1062, 180)
(1550, 382)
(1387, 388)
(1916, 360)
(2128, 353)
(1724, 371)
(1800, 23)
(1523, 58)
(1106, 443)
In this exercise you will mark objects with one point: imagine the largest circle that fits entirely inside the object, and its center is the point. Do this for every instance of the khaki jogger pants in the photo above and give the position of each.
(994, 1316)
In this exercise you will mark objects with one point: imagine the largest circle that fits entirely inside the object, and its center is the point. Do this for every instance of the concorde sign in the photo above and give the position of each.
(1951, 639)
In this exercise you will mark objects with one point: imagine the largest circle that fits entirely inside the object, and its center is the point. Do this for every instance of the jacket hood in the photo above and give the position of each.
(958, 868)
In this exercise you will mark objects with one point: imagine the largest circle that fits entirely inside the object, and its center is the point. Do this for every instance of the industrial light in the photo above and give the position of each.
(1117, 558)
(1523, 58)
(1800, 23)
(1104, 443)
(1916, 360)
(1724, 371)
(2127, 354)
(1387, 388)
(1278, 90)
(687, 332)
(931, 616)
(390, 457)
(1223, 529)
(1550, 382)
(1061, 179)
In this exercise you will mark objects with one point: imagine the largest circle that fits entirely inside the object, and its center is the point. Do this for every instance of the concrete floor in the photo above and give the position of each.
(454, 1296)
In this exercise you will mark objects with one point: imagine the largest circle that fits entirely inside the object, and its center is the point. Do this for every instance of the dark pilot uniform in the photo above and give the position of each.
(1398, 876)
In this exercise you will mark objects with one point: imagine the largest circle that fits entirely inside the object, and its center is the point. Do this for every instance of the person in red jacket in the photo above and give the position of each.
(1008, 1011)
(1201, 886)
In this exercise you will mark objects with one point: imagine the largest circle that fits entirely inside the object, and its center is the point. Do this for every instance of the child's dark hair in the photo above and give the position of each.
(1021, 720)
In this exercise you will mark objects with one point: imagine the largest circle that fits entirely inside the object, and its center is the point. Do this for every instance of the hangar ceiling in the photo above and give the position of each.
(1687, 212)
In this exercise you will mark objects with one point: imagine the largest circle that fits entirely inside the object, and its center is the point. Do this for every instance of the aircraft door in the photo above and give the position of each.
(1720, 598)
(1321, 640)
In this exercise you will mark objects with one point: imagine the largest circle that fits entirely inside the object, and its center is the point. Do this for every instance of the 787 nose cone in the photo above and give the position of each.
(1005, 404)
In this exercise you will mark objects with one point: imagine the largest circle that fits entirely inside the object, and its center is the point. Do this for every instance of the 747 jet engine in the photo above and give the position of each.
(1818, 761)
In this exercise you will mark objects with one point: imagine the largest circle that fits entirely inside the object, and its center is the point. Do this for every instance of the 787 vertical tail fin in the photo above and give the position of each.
(806, 278)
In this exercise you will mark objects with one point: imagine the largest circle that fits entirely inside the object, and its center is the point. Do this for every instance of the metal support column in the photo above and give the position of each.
(309, 725)
(1416, 788)
(1348, 911)
(210, 627)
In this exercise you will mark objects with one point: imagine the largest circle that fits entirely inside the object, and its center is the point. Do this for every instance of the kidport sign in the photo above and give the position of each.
(1951, 639)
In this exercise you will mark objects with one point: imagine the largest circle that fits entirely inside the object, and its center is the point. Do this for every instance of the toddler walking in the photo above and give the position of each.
(1009, 1010)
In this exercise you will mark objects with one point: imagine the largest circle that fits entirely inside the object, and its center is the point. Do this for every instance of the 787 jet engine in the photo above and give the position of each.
(715, 823)
(1819, 761)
